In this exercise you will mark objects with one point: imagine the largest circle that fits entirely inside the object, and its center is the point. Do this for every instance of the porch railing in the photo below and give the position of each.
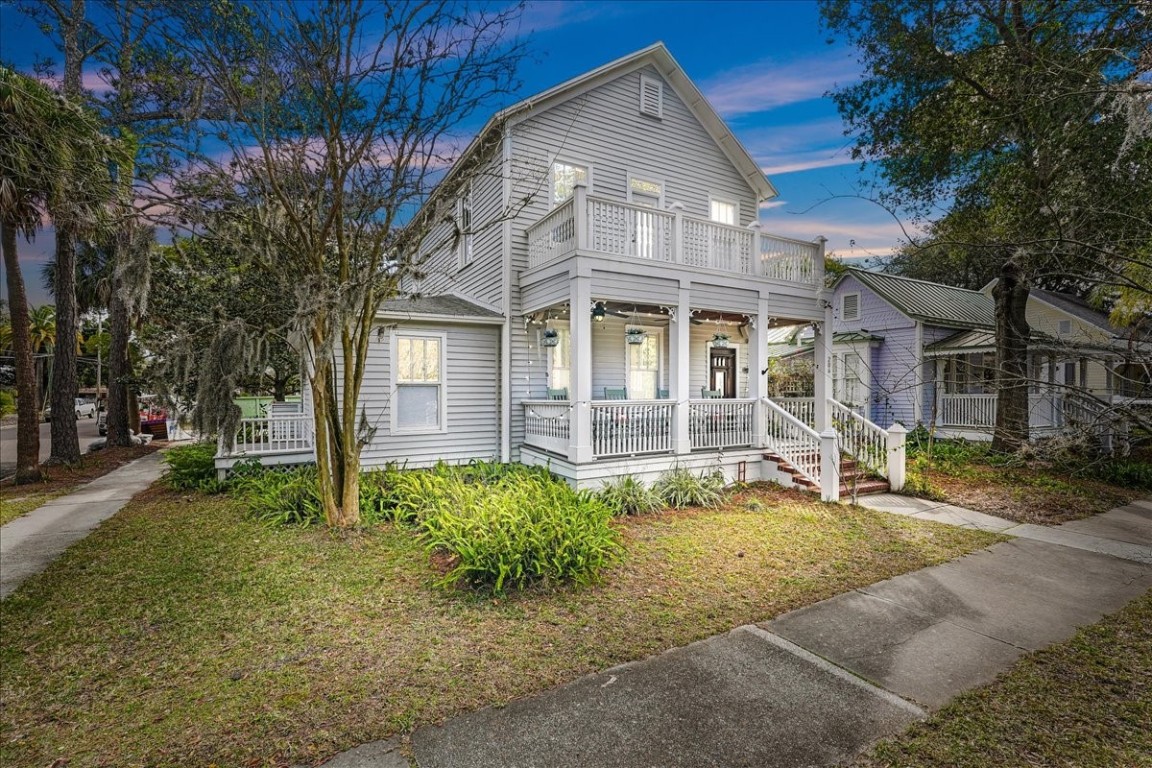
(859, 438)
(720, 423)
(803, 408)
(635, 231)
(285, 433)
(548, 425)
(792, 440)
(966, 410)
(630, 427)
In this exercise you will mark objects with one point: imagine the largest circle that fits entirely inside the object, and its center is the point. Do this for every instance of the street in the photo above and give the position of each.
(86, 428)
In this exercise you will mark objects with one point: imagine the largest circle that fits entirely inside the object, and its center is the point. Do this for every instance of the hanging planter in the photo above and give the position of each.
(635, 335)
(551, 338)
(720, 340)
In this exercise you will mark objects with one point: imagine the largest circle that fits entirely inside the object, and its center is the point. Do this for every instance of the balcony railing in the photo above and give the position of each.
(610, 227)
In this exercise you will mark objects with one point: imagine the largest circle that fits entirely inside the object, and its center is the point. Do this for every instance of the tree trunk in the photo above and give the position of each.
(28, 410)
(119, 370)
(1012, 331)
(65, 439)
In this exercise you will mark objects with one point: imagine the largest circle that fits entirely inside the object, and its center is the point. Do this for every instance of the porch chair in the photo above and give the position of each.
(661, 394)
(615, 393)
(558, 394)
(709, 394)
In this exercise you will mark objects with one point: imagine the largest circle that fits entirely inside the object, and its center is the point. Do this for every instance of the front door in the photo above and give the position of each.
(722, 371)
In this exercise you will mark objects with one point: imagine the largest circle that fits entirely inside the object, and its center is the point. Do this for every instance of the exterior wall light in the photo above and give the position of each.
(598, 312)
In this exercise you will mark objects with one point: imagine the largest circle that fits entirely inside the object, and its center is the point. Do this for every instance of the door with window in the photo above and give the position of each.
(722, 371)
(724, 244)
(647, 227)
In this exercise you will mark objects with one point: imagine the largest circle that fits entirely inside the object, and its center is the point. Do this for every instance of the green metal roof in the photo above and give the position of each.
(932, 303)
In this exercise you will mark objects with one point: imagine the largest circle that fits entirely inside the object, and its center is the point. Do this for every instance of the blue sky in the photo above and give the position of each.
(764, 66)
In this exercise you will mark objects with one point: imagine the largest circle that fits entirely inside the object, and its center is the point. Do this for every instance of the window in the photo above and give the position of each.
(564, 179)
(418, 374)
(723, 212)
(651, 97)
(1065, 327)
(850, 378)
(850, 306)
(466, 236)
(645, 367)
(560, 360)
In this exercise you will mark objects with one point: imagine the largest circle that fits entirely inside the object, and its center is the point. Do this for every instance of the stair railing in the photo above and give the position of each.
(792, 440)
(864, 441)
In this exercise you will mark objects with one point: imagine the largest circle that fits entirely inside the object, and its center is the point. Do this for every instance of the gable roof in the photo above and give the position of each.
(1078, 308)
(931, 303)
(658, 56)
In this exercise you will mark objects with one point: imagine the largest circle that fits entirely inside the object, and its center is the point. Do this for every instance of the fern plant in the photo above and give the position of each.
(628, 496)
(678, 487)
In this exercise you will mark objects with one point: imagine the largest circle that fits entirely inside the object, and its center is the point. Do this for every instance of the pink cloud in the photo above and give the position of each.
(768, 84)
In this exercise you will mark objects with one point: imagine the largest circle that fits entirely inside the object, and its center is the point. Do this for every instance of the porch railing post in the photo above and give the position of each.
(757, 371)
(580, 214)
(677, 233)
(680, 383)
(829, 466)
(897, 458)
(822, 357)
(580, 329)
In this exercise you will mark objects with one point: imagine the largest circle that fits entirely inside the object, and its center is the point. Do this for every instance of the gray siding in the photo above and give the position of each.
(546, 293)
(620, 286)
(721, 299)
(472, 378)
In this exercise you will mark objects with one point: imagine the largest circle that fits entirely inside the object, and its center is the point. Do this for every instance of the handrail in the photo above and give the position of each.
(861, 439)
(793, 440)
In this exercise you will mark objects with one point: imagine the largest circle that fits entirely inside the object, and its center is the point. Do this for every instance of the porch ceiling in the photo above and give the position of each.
(642, 312)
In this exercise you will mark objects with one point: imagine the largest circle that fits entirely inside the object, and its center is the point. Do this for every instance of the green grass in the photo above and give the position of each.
(1085, 703)
(15, 506)
(183, 633)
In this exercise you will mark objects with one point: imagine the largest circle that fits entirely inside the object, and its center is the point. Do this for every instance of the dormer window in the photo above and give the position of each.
(651, 97)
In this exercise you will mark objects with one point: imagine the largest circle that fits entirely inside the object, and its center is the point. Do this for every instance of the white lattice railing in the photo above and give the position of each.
(794, 261)
(629, 230)
(966, 411)
(553, 236)
(861, 439)
(711, 245)
(630, 427)
(803, 408)
(792, 440)
(271, 434)
(720, 423)
(548, 425)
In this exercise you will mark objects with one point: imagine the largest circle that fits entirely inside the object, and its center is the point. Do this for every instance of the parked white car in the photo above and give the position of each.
(83, 408)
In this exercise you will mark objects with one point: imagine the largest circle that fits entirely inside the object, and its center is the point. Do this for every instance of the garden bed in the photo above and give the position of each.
(183, 633)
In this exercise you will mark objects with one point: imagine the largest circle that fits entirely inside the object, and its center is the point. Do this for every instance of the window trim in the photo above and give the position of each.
(648, 180)
(646, 80)
(558, 160)
(727, 201)
(653, 331)
(466, 249)
(844, 302)
(394, 337)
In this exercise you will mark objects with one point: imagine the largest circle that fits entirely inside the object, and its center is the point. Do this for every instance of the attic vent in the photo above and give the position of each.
(1065, 327)
(651, 97)
(850, 310)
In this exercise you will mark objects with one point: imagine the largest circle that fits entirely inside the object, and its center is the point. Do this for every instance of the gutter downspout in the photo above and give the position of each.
(506, 328)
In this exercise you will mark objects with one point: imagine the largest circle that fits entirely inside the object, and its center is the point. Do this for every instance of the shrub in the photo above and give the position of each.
(192, 468)
(629, 496)
(1127, 473)
(7, 402)
(281, 496)
(516, 531)
(916, 482)
(678, 487)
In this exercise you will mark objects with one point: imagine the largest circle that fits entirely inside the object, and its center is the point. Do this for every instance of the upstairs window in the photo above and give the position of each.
(651, 97)
(467, 239)
(565, 176)
(850, 306)
(723, 212)
(418, 378)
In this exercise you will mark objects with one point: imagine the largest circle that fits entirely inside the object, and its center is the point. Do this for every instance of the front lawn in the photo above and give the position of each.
(1085, 703)
(182, 633)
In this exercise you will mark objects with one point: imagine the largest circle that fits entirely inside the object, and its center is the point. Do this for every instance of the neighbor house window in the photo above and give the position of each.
(850, 377)
(850, 306)
(418, 367)
(565, 176)
(723, 212)
(466, 237)
(645, 367)
(560, 362)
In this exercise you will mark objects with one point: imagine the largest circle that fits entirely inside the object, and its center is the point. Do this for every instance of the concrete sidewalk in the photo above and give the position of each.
(815, 686)
(31, 542)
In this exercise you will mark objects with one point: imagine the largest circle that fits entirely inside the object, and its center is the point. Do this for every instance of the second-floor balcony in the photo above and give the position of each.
(589, 224)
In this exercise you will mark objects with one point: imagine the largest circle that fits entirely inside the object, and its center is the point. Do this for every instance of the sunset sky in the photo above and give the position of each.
(764, 66)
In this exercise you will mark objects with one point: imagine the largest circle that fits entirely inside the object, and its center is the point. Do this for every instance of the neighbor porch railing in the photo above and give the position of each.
(286, 433)
(599, 225)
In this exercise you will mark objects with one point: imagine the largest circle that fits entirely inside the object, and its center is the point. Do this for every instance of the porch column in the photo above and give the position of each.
(822, 365)
(757, 370)
(580, 338)
(1051, 396)
(680, 366)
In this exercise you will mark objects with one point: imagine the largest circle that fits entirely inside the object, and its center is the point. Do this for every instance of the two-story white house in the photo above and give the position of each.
(605, 312)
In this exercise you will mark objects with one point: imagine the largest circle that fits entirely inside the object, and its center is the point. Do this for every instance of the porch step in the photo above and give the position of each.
(852, 477)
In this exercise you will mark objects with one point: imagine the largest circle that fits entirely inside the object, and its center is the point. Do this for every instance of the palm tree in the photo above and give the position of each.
(54, 163)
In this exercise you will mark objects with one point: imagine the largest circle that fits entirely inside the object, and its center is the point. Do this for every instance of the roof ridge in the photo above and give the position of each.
(857, 270)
